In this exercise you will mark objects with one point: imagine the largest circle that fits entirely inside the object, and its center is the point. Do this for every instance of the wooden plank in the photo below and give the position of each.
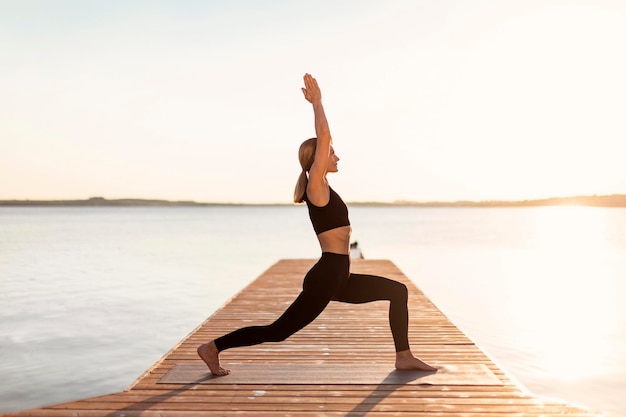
(343, 335)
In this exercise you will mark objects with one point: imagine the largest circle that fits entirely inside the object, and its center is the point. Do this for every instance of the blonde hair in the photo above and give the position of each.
(306, 155)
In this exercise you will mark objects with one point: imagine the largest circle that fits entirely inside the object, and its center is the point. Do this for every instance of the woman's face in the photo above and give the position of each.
(332, 161)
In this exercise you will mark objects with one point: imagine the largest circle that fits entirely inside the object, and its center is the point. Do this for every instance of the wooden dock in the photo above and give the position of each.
(344, 335)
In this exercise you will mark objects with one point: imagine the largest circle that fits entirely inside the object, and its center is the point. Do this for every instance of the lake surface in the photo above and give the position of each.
(91, 297)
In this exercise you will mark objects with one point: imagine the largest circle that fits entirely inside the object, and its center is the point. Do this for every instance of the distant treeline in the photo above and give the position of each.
(616, 200)
(100, 201)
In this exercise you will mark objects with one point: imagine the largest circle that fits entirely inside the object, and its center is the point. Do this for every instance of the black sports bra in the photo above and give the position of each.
(331, 216)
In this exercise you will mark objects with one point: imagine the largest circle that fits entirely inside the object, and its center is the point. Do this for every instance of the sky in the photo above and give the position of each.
(200, 100)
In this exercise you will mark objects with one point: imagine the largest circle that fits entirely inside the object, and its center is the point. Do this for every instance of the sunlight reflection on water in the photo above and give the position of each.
(562, 294)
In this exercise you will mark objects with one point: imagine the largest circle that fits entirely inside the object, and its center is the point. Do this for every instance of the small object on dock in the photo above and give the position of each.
(355, 251)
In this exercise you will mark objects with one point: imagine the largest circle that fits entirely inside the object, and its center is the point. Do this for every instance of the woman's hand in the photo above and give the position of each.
(311, 90)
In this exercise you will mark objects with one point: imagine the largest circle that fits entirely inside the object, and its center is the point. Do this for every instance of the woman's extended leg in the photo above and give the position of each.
(362, 288)
(307, 306)
(320, 283)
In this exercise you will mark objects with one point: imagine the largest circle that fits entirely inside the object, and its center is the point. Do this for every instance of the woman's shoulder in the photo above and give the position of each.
(318, 195)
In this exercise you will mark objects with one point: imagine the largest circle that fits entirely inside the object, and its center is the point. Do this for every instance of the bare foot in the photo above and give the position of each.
(406, 361)
(211, 356)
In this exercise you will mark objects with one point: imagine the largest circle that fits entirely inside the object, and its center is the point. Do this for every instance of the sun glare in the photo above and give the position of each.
(562, 292)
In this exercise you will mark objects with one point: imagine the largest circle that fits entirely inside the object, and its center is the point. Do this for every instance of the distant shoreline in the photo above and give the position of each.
(615, 200)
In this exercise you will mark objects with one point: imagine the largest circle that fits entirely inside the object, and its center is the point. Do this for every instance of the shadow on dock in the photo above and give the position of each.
(151, 402)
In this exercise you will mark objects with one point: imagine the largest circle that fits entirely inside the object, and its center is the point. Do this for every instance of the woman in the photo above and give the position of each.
(330, 279)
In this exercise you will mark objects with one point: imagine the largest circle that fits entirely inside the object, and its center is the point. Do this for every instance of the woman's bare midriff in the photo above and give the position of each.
(336, 240)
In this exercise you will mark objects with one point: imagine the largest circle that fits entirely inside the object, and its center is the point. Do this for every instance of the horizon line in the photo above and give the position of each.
(610, 200)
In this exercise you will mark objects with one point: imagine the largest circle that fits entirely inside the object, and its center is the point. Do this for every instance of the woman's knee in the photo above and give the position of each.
(401, 292)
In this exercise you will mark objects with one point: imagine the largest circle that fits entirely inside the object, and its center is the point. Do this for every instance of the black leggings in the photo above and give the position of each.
(329, 280)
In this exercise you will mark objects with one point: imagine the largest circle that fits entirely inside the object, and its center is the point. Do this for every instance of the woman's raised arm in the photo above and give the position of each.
(317, 188)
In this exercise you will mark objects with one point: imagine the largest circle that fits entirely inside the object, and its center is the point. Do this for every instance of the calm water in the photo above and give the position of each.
(92, 297)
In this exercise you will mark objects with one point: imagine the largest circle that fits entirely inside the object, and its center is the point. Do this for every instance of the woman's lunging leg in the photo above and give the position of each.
(362, 288)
